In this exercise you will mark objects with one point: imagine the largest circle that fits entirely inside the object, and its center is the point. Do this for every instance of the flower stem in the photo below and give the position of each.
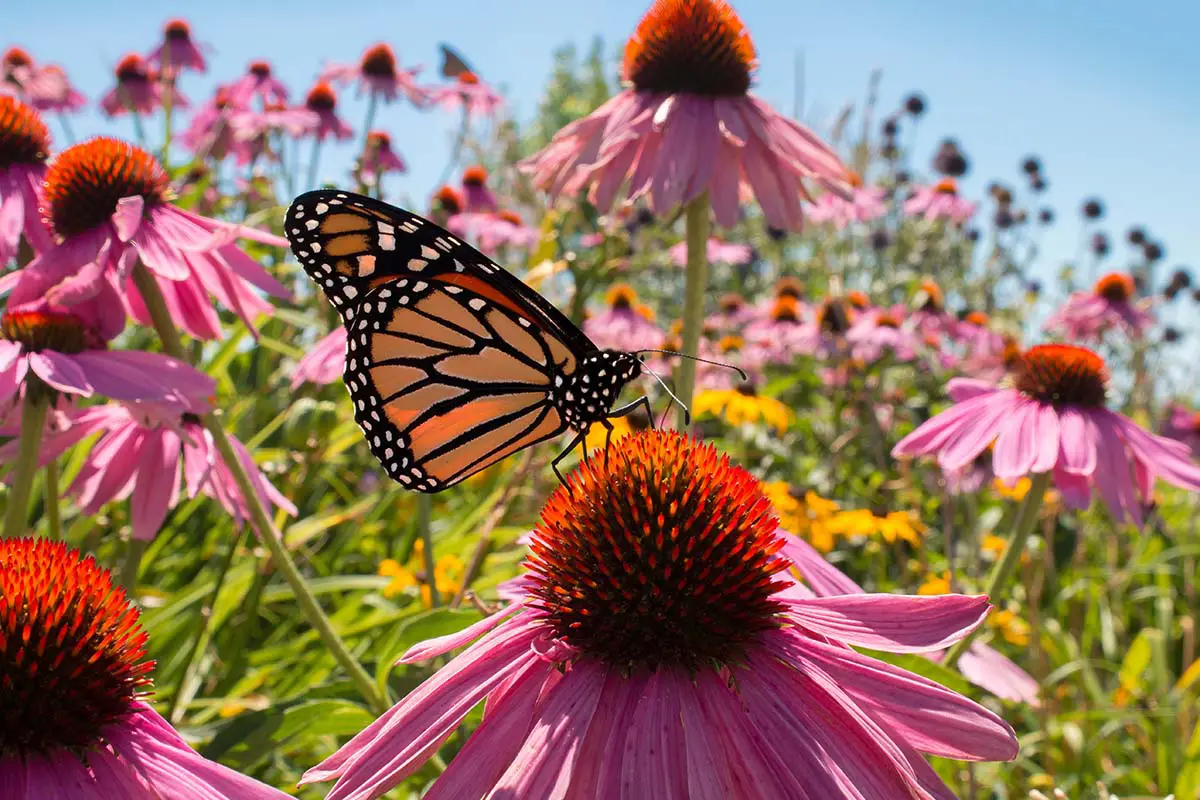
(696, 222)
(33, 420)
(424, 530)
(456, 150)
(268, 535)
(1023, 525)
(53, 517)
(313, 163)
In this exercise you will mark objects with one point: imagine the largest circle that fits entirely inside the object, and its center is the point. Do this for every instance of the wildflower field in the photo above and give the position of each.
(667, 447)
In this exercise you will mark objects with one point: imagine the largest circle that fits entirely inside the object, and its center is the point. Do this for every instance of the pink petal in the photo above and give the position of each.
(1114, 472)
(441, 645)
(975, 436)
(655, 762)
(1045, 439)
(989, 669)
(710, 775)
(824, 578)
(1016, 446)
(936, 431)
(62, 372)
(1077, 442)
(128, 216)
(892, 623)
(157, 484)
(1170, 460)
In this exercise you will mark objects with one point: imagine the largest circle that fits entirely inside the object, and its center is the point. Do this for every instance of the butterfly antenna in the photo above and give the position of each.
(687, 414)
(721, 364)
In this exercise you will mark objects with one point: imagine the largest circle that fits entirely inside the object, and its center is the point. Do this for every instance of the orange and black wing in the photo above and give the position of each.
(453, 64)
(451, 361)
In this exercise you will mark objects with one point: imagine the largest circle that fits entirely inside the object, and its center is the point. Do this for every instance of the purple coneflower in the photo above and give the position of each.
(880, 332)
(716, 251)
(475, 97)
(46, 87)
(778, 336)
(378, 75)
(64, 354)
(379, 158)
(1087, 316)
(733, 312)
(73, 677)
(864, 204)
(146, 453)
(982, 665)
(24, 148)
(1183, 425)
(1052, 418)
(940, 201)
(177, 51)
(108, 204)
(259, 81)
(209, 133)
(688, 124)
(654, 645)
(322, 101)
(138, 89)
(824, 334)
(478, 196)
(324, 361)
(626, 324)
(506, 228)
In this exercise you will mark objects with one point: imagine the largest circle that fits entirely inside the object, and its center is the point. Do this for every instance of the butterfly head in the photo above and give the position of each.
(592, 390)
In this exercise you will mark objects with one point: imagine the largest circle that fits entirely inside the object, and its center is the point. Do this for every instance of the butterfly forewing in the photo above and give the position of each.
(452, 363)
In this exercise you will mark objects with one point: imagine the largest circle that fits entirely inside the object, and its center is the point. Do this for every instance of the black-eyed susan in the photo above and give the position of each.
(743, 405)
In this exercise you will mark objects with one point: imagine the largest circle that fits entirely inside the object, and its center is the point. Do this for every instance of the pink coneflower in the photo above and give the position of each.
(626, 324)
(210, 132)
(257, 126)
(732, 313)
(982, 665)
(687, 125)
(146, 454)
(1087, 316)
(24, 148)
(779, 335)
(475, 97)
(73, 677)
(60, 352)
(107, 203)
(1052, 418)
(138, 89)
(1183, 425)
(378, 75)
(324, 362)
(654, 646)
(506, 228)
(177, 51)
(880, 332)
(259, 81)
(322, 101)
(16, 68)
(929, 314)
(46, 87)
(717, 252)
(824, 334)
(478, 196)
(864, 204)
(379, 158)
(940, 201)
(990, 358)
(446, 203)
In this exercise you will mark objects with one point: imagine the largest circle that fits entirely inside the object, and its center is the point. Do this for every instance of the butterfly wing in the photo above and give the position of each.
(453, 64)
(451, 361)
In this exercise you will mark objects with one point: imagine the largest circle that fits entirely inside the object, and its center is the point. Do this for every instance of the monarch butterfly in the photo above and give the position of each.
(452, 363)
(453, 64)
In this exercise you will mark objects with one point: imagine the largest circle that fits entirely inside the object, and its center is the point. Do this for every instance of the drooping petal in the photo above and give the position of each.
(157, 484)
(655, 763)
(825, 579)
(61, 372)
(1077, 442)
(892, 623)
(431, 648)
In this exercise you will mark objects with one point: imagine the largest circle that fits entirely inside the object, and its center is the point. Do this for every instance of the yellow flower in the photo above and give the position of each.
(447, 574)
(736, 406)
(936, 584)
(994, 545)
(1015, 492)
(807, 517)
(1014, 629)
(597, 434)
(863, 522)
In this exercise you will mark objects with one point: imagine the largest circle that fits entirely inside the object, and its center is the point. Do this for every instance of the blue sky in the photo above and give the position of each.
(1102, 91)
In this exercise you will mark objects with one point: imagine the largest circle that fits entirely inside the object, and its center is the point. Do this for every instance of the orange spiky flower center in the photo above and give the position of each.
(691, 47)
(621, 295)
(978, 318)
(887, 319)
(177, 30)
(379, 61)
(1116, 287)
(132, 68)
(72, 651)
(321, 97)
(46, 330)
(946, 186)
(379, 140)
(24, 137)
(858, 299)
(833, 316)
(449, 200)
(474, 176)
(17, 57)
(1063, 375)
(934, 300)
(660, 555)
(786, 309)
(731, 344)
(85, 182)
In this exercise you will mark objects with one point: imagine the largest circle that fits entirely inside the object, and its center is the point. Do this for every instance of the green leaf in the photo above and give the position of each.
(925, 668)
(1137, 661)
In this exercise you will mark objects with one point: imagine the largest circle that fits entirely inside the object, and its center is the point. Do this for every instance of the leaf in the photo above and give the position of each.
(254, 735)
(1187, 785)
(1189, 676)
(1137, 660)
(419, 628)
(925, 668)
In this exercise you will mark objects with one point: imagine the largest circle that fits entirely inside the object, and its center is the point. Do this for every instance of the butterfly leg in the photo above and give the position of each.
(626, 410)
(566, 452)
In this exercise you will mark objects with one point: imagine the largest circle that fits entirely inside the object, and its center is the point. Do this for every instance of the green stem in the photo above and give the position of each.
(425, 531)
(1023, 525)
(268, 535)
(182, 693)
(132, 565)
(313, 163)
(53, 516)
(369, 120)
(696, 223)
(33, 420)
(168, 117)
(456, 150)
